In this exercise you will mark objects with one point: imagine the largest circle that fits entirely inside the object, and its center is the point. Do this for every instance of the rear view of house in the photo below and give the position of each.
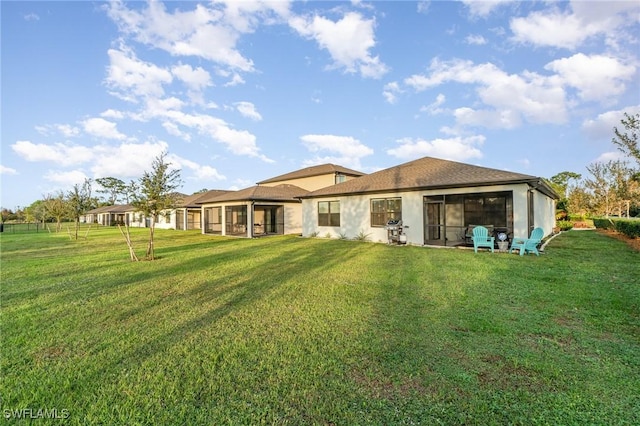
(438, 202)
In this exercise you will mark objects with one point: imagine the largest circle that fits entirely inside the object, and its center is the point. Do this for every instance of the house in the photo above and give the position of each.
(314, 177)
(272, 207)
(437, 200)
(255, 211)
(108, 215)
(188, 213)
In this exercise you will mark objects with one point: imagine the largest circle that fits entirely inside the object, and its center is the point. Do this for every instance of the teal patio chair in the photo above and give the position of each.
(528, 244)
(481, 238)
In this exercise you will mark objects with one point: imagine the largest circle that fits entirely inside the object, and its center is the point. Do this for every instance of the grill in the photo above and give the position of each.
(395, 232)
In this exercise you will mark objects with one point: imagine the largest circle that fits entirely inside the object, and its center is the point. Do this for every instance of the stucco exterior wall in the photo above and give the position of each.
(355, 213)
(545, 212)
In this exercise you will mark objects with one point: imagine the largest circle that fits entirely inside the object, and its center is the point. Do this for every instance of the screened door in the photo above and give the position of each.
(434, 223)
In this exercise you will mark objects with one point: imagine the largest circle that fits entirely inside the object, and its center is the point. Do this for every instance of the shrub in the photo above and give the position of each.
(564, 225)
(603, 223)
(362, 236)
(342, 236)
(629, 227)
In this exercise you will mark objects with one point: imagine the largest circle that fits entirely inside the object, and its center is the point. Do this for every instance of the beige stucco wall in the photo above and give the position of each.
(292, 215)
(311, 183)
(355, 213)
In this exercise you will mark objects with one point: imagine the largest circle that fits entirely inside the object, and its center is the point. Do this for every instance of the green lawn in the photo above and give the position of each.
(287, 330)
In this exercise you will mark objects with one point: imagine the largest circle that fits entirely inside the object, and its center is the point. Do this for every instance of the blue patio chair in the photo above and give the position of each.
(528, 244)
(481, 238)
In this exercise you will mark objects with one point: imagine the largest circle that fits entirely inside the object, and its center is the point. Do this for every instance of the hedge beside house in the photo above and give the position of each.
(629, 227)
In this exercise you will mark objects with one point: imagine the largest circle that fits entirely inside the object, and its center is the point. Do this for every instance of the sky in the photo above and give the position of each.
(236, 92)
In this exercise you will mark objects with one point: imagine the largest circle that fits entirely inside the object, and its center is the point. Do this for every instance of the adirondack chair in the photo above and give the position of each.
(481, 238)
(528, 244)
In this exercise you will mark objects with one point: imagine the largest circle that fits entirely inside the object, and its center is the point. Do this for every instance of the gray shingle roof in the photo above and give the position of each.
(261, 193)
(428, 173)
(195, 200)
(322, 169)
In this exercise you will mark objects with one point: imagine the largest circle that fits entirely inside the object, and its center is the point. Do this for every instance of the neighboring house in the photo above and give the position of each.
(108, 215)
(314, 177)
(253, 212)
(272, 207)
(437, 200)
(188, 214)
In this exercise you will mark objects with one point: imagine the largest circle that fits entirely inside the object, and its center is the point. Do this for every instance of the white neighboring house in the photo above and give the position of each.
(438, 201)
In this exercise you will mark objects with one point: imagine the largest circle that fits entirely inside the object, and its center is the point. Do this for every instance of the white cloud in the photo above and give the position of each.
(423, 7)
(601, 127)
(199, 171)
(31, 17)
(208, 31)
(176, 122)
(605, 157)
(348, 41)
(573, 27)
(344, 145)
(503, 119)
(195, 78)
(112, 113)
(101, 128)
(510, 97)
(483, 8)
(596, 77)
(7, 170)
(66, 178)
(59, 153)
(127, 160)
(456, 148)
(65, 130)
(247, 109)
(391, 92)
(475, 40)
(434, 107)
(348, 151)
(130, 78)
(236, 80)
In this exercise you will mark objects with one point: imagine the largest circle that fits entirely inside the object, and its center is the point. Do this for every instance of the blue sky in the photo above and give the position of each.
(237, 92)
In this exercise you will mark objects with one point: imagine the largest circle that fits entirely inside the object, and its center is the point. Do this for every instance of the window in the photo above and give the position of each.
(329, 213)
(385, 209)
(489, 209)
(340, 178)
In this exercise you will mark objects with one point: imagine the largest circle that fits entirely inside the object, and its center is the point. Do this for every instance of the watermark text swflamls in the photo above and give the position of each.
(39, 413)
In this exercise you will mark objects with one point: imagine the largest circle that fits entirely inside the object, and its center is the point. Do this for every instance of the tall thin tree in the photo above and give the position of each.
(156, 194)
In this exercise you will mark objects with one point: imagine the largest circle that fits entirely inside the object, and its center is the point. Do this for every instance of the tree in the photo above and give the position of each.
(628, 141)
(79, 201)
(114, 188)
(612, 187)
(56, 207)
(36, 211)
(156, 194)
(561, 184)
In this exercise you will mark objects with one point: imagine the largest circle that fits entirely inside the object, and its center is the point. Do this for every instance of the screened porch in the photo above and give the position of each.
(449, 219)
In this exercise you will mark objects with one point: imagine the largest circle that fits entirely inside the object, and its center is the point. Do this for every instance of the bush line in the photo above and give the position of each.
(629, 227)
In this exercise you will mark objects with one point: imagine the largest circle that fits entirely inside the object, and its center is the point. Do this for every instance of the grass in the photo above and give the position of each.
(286, 330)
